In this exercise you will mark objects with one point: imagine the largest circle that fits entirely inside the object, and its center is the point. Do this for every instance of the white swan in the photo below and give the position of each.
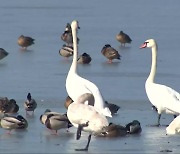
(86, 118)
(174, 126)
(162, 97)
(76, 85)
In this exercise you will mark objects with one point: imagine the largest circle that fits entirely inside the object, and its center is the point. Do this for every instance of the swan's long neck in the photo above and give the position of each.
(73, 67)
(153, 65)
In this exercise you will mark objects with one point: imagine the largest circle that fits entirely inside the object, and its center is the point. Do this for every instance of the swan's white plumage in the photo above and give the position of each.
(174, 126)
(164, 98)
(76, 85)
(79, 113)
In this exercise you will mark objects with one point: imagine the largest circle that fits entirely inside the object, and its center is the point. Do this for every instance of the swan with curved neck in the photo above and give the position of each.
(76, 85)
(164, 98)
(85, 118)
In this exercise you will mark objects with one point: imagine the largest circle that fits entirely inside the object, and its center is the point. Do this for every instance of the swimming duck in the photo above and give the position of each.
(113, 130)
(25, 41)
(110, 53)
(112, 107)
(3, 53)
(56, 122)
(66, 51)
(134, 127)
(84, 59)
(30, 104)
(123, 38)
(11, 122)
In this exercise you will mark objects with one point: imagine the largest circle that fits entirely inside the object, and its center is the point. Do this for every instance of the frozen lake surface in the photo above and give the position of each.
(42, 71)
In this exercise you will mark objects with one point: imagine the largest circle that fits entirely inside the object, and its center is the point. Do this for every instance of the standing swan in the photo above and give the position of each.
(164, 98)
(76, 85)
(86, 118)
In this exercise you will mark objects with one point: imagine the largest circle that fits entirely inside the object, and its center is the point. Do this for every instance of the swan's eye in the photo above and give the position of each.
(146, 43)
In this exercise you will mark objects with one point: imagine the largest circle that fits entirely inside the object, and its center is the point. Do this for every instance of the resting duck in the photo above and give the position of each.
(3, 53)
(14, 108)
(84, 59)
(24, 123)
(30, 104)
(113, 130)
(8, 106)
(112, 107)
(110, 53)
(67, 35)
(43, 117)
(56, 122)
(68, 27)
(123, 38)
(4, 105)
(25, 41)
(66, 51)
(11, 122)
(134, 127)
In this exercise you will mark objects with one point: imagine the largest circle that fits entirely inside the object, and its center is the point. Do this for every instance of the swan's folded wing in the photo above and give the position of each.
(172, 102)
(99, 101)
(174, 94)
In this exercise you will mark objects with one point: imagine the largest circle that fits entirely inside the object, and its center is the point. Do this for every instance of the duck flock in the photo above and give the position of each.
(86, 108)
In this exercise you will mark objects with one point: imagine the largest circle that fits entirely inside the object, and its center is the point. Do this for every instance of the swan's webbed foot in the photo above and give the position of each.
(87, 146)
(155, 125)
(85, 149)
